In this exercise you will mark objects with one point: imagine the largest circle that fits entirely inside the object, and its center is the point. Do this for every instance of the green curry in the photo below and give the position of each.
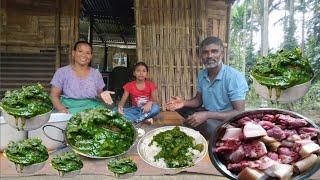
(26, 102)
(175, 146)
(26, 152)
(282, 70)
(122, 166)
(100, 133)
(67, 162)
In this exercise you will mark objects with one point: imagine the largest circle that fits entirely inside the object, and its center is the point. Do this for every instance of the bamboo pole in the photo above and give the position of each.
(58, 34)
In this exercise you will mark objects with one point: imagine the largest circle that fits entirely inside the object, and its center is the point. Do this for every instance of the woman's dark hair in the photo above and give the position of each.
(76, 44)
(140, 63)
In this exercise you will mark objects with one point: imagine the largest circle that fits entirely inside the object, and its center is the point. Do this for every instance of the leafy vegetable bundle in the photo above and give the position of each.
(27, 102)
(27, 152)
(175, 145)
(282, 70)
(67, 162)
(100, 132)
(122, 166)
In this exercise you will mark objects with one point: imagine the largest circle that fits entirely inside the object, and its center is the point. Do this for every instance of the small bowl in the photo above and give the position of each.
(124, 176)
(69, 174)
(30, 124)
(30, 169)
(120, 176)
(214, 157)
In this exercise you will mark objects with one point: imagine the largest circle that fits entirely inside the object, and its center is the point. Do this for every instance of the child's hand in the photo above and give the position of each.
(120, 110)
(147, 107)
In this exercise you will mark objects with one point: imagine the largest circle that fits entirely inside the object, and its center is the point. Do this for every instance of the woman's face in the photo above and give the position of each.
(140, 73)
(82, 55)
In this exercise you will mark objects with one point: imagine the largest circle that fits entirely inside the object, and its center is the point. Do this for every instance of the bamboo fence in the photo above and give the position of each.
(168, 37)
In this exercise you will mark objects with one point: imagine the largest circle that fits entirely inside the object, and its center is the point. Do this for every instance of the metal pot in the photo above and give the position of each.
(26, 124)
(8, 133)
(57, 119)
(286, 96)
(67, 143)
(221, 130)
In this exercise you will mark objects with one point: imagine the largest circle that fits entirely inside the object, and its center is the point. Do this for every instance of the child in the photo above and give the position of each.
(143, 95)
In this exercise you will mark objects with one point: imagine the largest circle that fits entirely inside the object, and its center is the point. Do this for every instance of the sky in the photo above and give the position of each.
(276, 29)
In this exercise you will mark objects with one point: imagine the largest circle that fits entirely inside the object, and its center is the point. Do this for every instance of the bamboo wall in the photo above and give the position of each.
(29, 26)
(168, 37)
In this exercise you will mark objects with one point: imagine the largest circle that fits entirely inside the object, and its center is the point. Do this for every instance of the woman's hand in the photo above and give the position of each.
(63, 110)
(120, 110)
(147, 107)
(175, 103)
(106, 97)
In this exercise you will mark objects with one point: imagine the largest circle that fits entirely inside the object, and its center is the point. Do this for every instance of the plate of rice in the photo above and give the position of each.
(172, 147)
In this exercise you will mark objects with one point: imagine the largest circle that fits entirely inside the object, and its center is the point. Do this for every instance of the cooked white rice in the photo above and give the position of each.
(150, 151)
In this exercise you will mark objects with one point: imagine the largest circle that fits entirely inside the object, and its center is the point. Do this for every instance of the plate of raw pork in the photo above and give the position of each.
(266, 144)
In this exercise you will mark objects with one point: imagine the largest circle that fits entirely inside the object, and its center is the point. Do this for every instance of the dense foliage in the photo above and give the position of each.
(27, 152)
(283, 69)
(122, 166)
(67, 162)
(175, 146)
(100, 132)
(27, 102)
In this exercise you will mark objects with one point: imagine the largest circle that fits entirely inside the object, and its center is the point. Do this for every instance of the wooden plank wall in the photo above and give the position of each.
(217, 22)
(168, 37)
(29, 26)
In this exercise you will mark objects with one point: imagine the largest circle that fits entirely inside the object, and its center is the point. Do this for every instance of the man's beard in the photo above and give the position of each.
(211, 63)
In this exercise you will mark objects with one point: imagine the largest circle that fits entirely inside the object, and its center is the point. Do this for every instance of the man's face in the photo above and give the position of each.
(212, 56)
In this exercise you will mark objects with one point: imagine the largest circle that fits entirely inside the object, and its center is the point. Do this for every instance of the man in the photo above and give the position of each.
(221, 91)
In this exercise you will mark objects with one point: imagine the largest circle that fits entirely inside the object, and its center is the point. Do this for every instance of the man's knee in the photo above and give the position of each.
(212, 125)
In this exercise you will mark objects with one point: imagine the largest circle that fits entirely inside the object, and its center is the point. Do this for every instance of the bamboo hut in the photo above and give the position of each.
(37, 37)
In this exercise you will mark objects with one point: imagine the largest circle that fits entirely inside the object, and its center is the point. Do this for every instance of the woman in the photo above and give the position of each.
(76, 87)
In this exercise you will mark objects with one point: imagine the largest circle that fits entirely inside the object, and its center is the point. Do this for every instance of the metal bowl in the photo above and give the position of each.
(29, 169)
(144, 143)
(69, 174)
(214, 157)
(286, 96)
(30, 124)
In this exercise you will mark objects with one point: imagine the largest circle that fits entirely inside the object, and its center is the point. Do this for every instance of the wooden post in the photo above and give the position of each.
(90, 40)
(264, 39)
(58, 35)
(105, 63)
(226, 61)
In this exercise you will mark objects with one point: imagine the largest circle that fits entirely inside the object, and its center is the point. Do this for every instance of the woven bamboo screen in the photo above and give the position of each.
(168, 37)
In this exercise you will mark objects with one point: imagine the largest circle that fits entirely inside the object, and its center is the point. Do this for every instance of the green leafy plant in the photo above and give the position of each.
(122, 166)
(175, 146)
(27, 152)
(282, 70)
(100, 132)
(27, 102)
(67, 162)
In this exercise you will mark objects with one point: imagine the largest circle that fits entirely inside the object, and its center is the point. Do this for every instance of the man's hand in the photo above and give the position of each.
(147, 107)
(197, 118)
(106, 97)
(175, 103)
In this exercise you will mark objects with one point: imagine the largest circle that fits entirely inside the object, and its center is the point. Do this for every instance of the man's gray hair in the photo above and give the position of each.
(211, 40)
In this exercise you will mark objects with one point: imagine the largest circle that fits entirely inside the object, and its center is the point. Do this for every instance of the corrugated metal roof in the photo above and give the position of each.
(113, 20)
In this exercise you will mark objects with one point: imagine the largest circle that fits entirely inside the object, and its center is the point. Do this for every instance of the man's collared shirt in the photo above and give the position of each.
(217, 95)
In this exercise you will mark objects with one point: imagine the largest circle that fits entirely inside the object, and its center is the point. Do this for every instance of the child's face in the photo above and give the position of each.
(140, 73)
